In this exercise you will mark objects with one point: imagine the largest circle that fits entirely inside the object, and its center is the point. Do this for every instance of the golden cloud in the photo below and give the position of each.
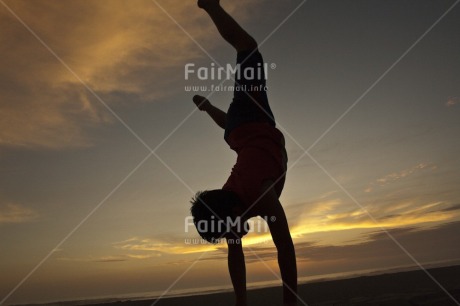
(157, 246)
(395, 176)
(451, 101)
(16, 213)
(142, 248)
(390, 216)
(102, 259)
(114, 47)
(323, 216)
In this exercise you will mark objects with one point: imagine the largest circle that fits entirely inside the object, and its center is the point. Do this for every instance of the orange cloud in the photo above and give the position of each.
(395, 176)
(142, 248)
(451, 101)
(94, 259)
(389, 216)
(16, 213)
(325, 217)
(158, 246)
(117, 49)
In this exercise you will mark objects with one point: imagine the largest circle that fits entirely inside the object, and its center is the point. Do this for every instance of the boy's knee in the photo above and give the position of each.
(251, 43)
(246, 44)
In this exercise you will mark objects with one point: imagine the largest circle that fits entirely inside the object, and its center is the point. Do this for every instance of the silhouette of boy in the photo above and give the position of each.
(257, 179)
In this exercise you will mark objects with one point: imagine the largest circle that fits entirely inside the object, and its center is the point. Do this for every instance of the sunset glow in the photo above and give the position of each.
(90, 88)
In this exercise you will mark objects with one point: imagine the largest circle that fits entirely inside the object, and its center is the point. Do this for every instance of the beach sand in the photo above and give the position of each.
(402, 288)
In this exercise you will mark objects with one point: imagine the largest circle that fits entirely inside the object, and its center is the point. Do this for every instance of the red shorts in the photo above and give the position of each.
(261, 156)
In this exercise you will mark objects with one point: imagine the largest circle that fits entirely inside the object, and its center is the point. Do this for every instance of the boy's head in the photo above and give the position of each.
(216, 214)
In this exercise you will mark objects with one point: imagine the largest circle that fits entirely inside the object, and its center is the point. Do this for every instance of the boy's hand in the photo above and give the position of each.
(201, 102)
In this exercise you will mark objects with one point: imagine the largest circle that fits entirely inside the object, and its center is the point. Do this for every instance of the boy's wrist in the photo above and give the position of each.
(241, 301)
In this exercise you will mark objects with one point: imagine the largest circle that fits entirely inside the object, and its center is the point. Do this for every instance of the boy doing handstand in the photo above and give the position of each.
(257, 179)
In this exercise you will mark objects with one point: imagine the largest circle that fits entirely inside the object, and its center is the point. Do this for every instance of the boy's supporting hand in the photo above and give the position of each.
(201, 102)
(237, 269)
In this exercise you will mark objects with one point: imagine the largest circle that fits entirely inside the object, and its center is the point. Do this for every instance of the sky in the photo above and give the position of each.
(101, 147)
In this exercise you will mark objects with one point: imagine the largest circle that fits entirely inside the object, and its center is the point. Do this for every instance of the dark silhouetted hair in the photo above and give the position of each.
(211, 209)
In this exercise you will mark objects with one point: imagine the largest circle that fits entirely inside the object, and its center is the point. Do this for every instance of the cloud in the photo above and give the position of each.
(451, 101)
(324, 224)
(319, 205)
(327, 215)
(145, 256)
(375, 249)
(402, 174)
(16, 213)
(156, 247)
(109, 259)
(452, 208)
(102, 259)
(327, 220)
(378, 246)
(125, 53)
(333, 214)
(396, 176)
(190, 243)
(144, 248)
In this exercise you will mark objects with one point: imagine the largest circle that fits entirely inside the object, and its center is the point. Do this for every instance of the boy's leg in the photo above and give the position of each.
(230, 30)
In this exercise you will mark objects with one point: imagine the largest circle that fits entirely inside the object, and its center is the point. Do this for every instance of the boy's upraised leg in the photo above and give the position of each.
(228, 28)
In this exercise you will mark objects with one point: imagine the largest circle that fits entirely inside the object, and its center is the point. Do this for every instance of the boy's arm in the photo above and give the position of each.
(281, 235)
(237, 269)
(203, 104)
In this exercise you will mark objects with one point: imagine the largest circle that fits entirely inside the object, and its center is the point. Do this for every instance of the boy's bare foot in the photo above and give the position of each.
(201, 102)
(205, 4)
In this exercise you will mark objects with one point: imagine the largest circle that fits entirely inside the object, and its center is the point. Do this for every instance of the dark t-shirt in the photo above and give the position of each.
(261, 156)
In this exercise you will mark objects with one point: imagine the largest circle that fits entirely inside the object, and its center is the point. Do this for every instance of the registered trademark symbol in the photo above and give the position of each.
(273, 66)
(273, 218)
